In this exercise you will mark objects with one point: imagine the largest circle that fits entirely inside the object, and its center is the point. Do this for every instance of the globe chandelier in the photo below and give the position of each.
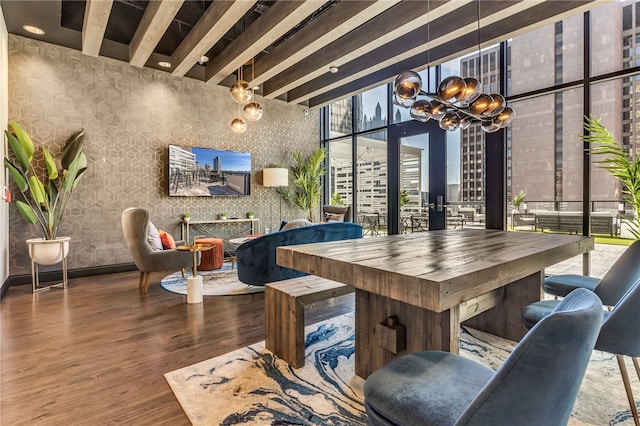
(243, 94)
(458, 102)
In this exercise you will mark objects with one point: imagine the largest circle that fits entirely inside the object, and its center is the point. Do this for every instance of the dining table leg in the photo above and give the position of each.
(424, 330)
(505, 319)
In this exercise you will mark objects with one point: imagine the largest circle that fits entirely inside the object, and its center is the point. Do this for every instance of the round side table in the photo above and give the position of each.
(194, 283)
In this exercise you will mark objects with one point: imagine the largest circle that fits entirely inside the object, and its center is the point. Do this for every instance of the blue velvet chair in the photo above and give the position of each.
(619, 335)
(256, 259)
(536, 385)
(616, 282)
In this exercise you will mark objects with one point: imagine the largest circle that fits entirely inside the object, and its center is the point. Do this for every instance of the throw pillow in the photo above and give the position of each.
(167, 240)
(153, 238)
(298, 223)
(333, 217)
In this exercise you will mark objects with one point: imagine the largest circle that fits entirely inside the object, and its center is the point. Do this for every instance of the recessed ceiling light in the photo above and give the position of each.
(164, 64)
(333, 69)
(33, 30)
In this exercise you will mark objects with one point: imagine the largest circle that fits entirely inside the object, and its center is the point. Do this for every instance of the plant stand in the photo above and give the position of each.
(35, 280)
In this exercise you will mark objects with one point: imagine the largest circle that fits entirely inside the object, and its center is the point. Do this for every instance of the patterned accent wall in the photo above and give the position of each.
(131, 115)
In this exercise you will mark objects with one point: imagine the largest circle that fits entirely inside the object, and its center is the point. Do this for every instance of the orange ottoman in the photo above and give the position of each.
(211, 259)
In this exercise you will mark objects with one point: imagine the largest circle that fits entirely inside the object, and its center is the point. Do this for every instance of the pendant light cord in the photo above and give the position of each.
(479, 50)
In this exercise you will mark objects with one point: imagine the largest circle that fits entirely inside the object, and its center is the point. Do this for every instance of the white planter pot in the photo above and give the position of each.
(48, 252)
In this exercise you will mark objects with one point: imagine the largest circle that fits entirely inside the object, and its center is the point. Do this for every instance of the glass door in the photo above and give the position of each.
(417, 180)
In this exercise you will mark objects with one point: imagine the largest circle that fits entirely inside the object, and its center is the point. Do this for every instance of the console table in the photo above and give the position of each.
(255, 225)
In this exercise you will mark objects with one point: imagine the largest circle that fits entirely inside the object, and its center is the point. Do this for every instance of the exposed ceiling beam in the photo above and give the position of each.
(219, 17)
(379, 30)
(96, 16)
(524, 21)
(276, 22)
(442, 30)
(155, 21)
(331, 25)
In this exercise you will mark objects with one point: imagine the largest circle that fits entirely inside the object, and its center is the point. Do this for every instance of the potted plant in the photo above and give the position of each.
(619, 163)
(306, 174)
(250, 215)
(45, 193)
(337, 199)
(404, 198)
(517, 201)
(223, 215)
(186, 217)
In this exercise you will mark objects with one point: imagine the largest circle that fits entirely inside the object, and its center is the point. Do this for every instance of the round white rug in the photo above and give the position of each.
(221, 282)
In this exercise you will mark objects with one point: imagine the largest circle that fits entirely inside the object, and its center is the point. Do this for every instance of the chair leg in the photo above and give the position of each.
(627, 386)
(147, 278)
(141, 281)
(182, 270)
(635, 364)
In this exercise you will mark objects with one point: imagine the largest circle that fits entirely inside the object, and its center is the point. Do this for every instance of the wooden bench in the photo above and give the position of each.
(284, 313)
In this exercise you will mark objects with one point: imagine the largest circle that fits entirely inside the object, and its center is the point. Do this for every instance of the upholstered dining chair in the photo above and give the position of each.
(615, 283)
(536, 385)
(135, 227)
(618, 335)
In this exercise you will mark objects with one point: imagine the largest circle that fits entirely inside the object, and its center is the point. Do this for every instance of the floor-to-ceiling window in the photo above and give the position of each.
(550, 90)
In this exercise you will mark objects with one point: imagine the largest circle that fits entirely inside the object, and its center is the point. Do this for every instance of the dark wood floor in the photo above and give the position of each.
(95, 354)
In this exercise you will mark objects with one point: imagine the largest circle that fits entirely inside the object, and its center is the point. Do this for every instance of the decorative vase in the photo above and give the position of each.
(223, 217)
(48, 252)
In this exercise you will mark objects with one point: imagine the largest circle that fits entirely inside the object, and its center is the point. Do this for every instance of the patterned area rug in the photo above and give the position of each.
(251, 386)
(221, 282)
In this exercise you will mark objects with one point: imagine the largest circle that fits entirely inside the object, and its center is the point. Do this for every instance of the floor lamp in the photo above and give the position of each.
(275, 177)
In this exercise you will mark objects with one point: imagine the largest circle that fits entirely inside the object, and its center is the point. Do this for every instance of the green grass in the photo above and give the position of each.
(616, 241)
(599, 239)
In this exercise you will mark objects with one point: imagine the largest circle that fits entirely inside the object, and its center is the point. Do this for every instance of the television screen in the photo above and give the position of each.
(206, 172)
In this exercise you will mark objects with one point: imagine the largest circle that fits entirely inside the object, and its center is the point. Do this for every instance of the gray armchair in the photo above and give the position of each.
(135, 227)
(536, 385)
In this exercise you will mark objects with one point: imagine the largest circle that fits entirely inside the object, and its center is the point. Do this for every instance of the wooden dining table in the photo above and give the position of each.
(422, 287)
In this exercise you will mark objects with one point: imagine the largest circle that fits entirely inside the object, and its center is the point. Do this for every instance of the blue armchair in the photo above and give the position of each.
(615, 283)
(257, 258)
(618, 335)
(536, 385)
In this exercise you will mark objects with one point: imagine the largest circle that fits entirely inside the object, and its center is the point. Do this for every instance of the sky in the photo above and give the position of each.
(231, 160)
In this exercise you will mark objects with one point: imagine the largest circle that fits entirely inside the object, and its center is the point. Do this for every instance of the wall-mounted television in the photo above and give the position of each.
(207, 172)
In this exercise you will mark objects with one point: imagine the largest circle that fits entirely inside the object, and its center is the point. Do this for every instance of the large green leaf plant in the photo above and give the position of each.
(619, 163)
(305, 190)
(45, 195)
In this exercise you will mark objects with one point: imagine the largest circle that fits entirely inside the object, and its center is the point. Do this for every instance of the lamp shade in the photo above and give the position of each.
(275, 177)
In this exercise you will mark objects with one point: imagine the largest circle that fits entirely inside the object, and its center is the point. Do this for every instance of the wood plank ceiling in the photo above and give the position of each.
(291, 43)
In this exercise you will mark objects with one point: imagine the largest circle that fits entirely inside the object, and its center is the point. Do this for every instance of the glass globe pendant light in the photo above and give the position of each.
(450, 121)
(240, 91)
(408, 85)
(253, 111)
(238, 125)
(451, 89)
(471, 92)
(421, 111)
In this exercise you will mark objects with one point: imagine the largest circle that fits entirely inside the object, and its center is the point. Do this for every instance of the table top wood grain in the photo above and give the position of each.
(434, 270)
